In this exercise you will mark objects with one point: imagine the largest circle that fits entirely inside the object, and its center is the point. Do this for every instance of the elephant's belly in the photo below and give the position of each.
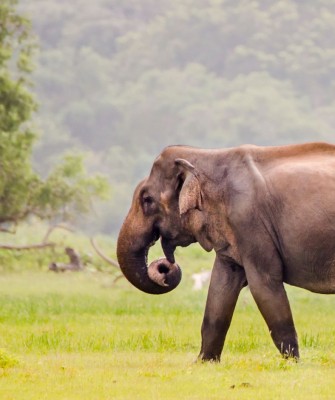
(318, 278)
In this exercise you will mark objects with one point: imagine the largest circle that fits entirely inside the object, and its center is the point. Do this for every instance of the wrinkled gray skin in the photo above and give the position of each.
(268, 213)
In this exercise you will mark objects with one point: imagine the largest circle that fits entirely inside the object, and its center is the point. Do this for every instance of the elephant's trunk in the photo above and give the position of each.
(132, 249)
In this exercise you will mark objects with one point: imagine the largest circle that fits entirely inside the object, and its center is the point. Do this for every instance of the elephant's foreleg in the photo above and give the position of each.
(227, 280)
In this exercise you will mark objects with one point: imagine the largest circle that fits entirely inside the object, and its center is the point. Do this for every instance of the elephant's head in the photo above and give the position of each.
(160, 208)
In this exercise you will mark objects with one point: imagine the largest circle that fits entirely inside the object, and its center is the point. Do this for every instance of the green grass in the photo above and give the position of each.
(74, 336)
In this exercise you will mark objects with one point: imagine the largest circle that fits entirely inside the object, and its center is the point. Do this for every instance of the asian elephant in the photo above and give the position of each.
(267, 212)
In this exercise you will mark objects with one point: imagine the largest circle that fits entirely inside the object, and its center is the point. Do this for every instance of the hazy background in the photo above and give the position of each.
(121, 79)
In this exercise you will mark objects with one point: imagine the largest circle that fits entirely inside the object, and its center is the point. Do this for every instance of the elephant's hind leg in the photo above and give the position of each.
(272, 301)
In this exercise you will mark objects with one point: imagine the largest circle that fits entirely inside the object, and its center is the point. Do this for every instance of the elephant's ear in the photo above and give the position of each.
(190, 196)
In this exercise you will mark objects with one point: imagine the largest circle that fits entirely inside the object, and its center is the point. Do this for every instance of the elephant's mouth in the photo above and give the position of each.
(168, 249)
(168, 243)
(169, 246)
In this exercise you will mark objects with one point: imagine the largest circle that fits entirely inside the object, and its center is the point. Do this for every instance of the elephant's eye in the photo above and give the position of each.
(148, 204)
(148, 200)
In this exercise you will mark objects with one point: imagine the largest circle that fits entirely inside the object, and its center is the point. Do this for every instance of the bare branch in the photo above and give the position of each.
(117, 278)
(27, 247)
(12, 232)
(57, 226)
(103, 256)
(37, 246)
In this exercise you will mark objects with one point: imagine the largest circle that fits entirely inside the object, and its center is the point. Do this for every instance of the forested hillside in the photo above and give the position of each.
(122, 79)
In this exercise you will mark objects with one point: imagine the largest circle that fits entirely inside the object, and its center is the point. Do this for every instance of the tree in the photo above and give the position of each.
(22, 191)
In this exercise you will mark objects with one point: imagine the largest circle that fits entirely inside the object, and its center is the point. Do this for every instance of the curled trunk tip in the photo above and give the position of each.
(164, 273)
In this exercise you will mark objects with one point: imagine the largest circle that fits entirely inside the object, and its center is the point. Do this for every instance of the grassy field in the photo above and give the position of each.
(74, 336)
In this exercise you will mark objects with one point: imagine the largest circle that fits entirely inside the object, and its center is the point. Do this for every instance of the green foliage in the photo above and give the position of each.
(16, 108)
(68, 190)
(172, 71)
(16, 42)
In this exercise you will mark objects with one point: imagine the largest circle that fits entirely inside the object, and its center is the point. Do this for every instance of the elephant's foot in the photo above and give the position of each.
(289, 351)
(208, 358)
(285, 338)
